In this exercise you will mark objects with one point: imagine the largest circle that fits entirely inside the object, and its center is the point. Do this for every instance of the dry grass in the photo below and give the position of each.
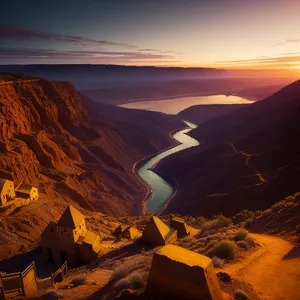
(133, 272)
(225, 249)
(135, 280)
(241, 235)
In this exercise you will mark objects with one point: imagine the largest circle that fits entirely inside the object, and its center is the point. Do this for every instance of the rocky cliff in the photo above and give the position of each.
(76, 151)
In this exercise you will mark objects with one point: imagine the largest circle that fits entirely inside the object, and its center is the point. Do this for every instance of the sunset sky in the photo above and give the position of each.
(238, 34)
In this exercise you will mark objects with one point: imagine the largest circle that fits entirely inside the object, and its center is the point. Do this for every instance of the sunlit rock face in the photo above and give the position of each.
(177, 273)
(74, 150)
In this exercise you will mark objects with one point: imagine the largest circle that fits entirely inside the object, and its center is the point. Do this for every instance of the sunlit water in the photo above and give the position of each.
(162, 191)
(175, 105)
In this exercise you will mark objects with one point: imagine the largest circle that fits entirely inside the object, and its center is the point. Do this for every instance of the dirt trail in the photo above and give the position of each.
(273, 270)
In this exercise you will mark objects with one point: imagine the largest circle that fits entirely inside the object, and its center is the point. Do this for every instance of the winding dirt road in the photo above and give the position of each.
(273, 271)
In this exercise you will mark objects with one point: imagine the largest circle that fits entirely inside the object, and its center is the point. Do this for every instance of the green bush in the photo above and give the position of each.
(225, 249)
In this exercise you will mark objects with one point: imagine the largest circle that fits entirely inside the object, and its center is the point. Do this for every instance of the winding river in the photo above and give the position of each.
(161, 190)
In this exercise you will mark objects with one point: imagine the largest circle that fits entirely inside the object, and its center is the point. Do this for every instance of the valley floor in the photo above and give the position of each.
(273, 271)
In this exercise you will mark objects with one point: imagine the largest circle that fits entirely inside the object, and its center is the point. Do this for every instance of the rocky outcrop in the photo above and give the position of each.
(177, 273)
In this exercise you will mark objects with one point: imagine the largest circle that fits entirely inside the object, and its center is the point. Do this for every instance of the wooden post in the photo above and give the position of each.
(2, 294)
(34, 269)
(52, 280)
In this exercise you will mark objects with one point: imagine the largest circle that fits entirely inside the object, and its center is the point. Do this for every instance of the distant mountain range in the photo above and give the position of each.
(86, 77)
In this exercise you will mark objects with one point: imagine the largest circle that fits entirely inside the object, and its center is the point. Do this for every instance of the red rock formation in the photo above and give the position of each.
(74, 150)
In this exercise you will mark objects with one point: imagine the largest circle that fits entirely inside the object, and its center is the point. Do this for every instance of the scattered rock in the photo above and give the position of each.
(224, 277)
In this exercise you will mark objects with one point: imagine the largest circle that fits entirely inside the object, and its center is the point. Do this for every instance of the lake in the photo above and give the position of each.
(175, 105)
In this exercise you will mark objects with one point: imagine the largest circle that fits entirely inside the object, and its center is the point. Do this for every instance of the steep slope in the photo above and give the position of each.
(247, 159)
(74, 150)
(199, 114)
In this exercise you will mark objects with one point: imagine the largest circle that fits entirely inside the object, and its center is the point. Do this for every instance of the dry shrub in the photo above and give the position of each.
(250, 241)
(225, 249)
(188, 242)
(218, 222)
(76, 281)
(240, 295)
(241, 235)
(217, 262)
(135, 280)
(242, 244)
(135, 263)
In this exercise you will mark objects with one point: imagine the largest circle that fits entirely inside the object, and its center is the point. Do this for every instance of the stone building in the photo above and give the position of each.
(7, 191)
(158, 233)
(127, 232)
(119, 230)
(182, 228)
(27, 191)
(131, 233)
(177, 273)
(69, 239)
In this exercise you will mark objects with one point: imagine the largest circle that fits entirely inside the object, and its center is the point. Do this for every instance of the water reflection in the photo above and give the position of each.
(162, 191)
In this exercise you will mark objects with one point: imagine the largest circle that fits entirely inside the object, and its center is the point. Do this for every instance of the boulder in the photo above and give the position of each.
(177, 273)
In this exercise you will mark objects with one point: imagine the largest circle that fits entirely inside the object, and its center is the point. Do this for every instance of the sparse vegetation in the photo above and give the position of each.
(225, 249)
(217, 222)
(240, 295)
(135, 280)
(78, 281)
(124, 269)
(217, 262)
(242, 244)
(241, 235)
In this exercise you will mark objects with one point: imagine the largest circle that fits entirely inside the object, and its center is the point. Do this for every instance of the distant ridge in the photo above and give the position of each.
(247, 159)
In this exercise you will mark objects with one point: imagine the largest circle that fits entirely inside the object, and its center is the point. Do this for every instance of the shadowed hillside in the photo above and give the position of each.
(74, 150)
(247, 159)
(200, 114)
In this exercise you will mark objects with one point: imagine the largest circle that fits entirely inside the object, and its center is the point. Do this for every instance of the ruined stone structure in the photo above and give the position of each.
(158, 233)
(131, 233)
(11, 198)
(7, 191)
(119, 230)
(69, 240)
(127, 232)
(177, 273)
(182, 228)
(27, 191)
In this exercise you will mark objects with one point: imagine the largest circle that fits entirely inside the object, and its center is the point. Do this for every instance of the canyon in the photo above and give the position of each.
(75, 150)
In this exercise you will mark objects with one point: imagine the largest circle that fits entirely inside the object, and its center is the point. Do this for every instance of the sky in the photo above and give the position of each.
(230, 34)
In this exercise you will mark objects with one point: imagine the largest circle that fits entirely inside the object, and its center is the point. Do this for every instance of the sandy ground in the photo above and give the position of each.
(95, 281)
(273, 271)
